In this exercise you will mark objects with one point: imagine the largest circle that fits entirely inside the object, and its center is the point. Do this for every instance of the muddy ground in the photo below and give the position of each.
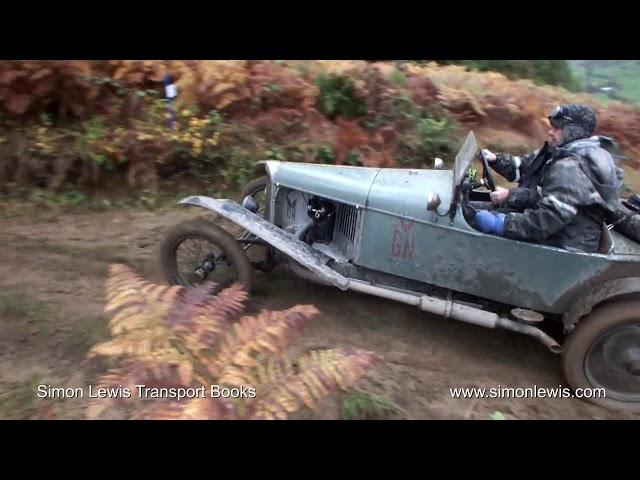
(52, 271)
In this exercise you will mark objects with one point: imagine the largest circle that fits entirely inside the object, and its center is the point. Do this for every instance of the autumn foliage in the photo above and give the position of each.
(172, 337)
(82, 122)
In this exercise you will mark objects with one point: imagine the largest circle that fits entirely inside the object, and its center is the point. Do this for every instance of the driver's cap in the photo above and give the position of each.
(574, 115)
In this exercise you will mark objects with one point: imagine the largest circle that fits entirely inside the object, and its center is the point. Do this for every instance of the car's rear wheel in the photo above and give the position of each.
(604, 352)
(198, 250)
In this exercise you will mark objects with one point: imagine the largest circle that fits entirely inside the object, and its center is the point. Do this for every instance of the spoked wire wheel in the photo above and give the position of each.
(198, 250)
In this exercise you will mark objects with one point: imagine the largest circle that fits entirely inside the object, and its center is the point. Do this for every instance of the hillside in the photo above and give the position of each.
(93, 160)
(83, 125)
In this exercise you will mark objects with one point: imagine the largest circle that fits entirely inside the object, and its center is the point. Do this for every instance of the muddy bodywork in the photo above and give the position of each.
(285, 242)
(583, 302)
(382, 224)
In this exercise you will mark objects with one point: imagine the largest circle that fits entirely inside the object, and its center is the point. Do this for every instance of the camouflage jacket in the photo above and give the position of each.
(527, 171)
(578, 191)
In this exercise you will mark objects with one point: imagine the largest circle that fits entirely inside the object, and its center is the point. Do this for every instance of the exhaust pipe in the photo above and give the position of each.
(507, 324)
(457, 311)
(444, 308)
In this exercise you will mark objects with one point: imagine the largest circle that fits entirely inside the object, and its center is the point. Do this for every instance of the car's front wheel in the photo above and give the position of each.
(603, 352)
(198, 250)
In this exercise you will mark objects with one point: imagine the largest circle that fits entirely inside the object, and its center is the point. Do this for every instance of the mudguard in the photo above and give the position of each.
(276, 237)
(591, 298)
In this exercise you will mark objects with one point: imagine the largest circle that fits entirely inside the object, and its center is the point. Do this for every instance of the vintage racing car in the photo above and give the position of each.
(408, 235)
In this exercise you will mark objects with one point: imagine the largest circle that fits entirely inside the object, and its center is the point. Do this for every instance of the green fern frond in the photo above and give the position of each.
(367, 406)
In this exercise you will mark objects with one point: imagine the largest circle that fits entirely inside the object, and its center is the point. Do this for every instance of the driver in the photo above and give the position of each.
(567, 189)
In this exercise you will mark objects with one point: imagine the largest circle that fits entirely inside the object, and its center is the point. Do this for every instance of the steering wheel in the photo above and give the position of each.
(487, 176)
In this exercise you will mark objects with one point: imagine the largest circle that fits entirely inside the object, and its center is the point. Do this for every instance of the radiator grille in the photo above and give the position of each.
(346, 234)
(347, 221)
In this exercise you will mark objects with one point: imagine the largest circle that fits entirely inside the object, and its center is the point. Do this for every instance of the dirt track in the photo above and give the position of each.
(52, 270)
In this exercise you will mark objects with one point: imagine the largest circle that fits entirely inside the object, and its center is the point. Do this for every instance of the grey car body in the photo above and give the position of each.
(383, 225)
(405, 235)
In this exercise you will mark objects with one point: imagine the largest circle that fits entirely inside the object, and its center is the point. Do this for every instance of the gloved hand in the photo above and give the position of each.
(499, 196)
(489, 155)
(489, 222)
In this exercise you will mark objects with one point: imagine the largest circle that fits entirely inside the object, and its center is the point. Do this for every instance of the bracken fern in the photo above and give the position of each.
(172, 337)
